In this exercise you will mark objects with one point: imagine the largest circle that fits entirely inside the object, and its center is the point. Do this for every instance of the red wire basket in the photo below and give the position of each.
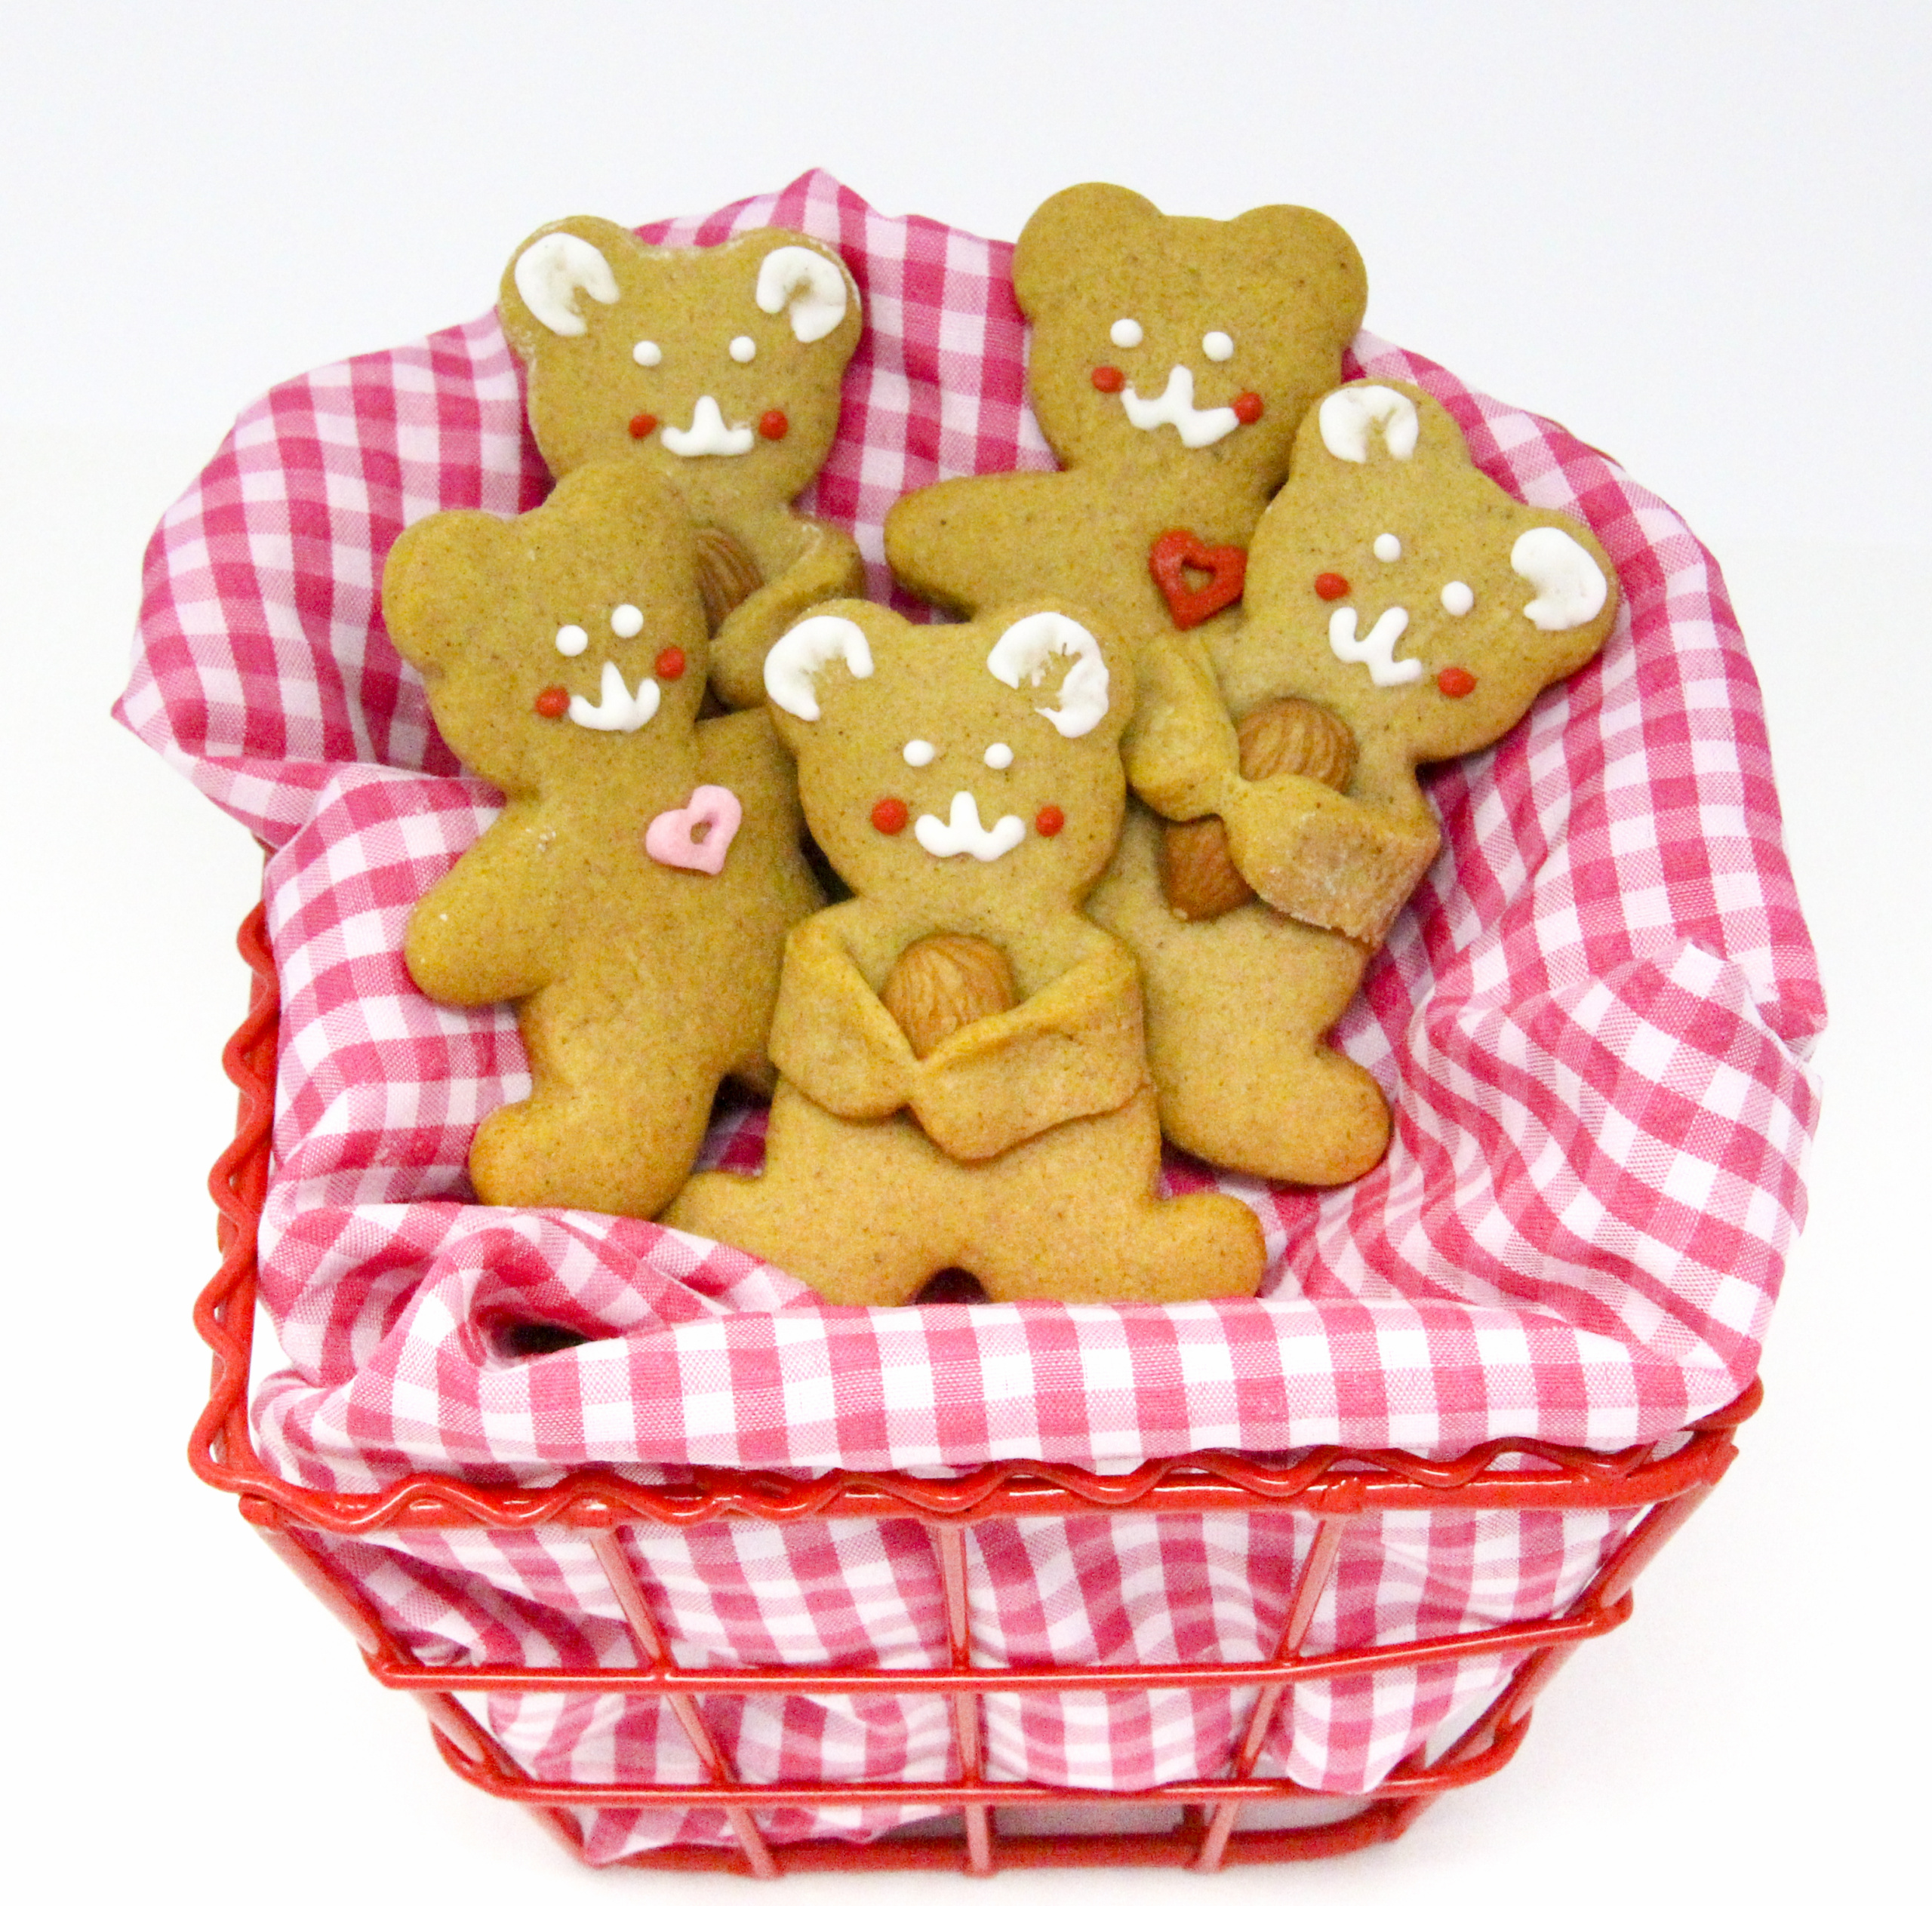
(984, 1823)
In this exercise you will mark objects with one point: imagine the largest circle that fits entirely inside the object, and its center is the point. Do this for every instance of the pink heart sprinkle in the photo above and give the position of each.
(668, 839)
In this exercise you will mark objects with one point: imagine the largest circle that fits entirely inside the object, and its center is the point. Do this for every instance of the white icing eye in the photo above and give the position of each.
(572, 639)
(920, 753)
(648, 353)
(999, 755)
(1218, 346)
(743, 349)
(1387, 547)
(626, 619)
(1126, 333)
(1458, 598)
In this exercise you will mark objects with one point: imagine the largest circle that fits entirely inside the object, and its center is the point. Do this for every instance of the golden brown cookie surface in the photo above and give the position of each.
(966, 782)
(634, 895)
(720, 368)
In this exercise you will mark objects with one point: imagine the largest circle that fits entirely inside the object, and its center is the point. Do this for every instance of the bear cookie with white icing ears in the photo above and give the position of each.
(634, 895)
(720, 367)
(964, 1082)
(1402, 608)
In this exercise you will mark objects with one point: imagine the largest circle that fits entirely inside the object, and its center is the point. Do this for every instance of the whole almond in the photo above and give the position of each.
(1292, 736)
(944, 982)
(1197, 873)
(726, 574)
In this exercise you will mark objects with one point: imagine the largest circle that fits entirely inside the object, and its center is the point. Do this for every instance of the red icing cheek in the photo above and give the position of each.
(1049, 821)
(643, 424)
(1330, 587)
(773, 426)
(553, 703)
(889, 816)
(1107, 380)
(1455, 683)
(1248, 407)
(670, 663)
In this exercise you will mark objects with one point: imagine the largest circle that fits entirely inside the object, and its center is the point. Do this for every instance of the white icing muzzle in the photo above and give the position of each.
(620, 711)
(1175, 405)
(963, 834)
(1377, 650)
(708, 435)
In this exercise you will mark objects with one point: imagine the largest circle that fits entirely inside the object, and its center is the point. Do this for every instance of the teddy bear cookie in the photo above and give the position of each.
(634, 895)
(1402, 608)
(1171, 360)
(721, 368)
(964, 1082)
(1406, 596)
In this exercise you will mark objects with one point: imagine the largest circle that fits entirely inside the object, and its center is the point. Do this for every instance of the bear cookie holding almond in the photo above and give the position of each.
(963, 1081)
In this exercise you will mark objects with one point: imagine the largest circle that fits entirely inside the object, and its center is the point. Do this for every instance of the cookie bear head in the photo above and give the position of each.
(1155, 338)
(568, 642)
(973, 766)
(1394, 584)
(719, 366)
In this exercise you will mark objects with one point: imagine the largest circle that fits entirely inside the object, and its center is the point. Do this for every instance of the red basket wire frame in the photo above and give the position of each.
(1667, 1480)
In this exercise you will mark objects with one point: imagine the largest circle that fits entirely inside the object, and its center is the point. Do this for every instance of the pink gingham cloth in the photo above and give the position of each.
(1593, 1023)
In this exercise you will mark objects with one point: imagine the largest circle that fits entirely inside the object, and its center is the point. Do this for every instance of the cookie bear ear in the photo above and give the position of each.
(556, 278)
(1358, 415)
(809, 282)
(437, 571)
(796, 658)
(1095, 692)
(1571, 588)
(1058, 243)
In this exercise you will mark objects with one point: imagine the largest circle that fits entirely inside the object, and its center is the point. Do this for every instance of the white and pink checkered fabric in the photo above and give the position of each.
(1593, 1023)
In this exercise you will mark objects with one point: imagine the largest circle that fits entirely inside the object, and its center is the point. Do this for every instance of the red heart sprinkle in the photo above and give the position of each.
(1455, 683)
(1050, 821)
(1180, 550)
(1330, 587)
(643, 424)
(889, 816)
(670, 663)
(1107, 380)
(1247, 407)
(773, 426)
(553, 703)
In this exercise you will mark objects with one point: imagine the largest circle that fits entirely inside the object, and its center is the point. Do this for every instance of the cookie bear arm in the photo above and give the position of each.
(1075, 1048)
(830, 1036)
(812, 562)
(483, 933)
(1180, 750)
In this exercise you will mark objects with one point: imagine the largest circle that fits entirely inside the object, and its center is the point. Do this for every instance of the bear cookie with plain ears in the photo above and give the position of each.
(1421, 610)
(1171, 360)
(964, 1082)
(1402, 609)
(634, 895)
(721, 368)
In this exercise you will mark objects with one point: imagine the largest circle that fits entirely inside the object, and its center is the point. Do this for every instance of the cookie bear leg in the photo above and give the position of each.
(863, 1211)
(1074, 1214)
(1237, 1008)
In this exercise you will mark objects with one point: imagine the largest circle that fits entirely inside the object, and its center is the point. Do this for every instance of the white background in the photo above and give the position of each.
(1698, 234)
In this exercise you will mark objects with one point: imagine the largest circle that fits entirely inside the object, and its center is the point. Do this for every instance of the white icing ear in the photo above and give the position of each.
(1570, 588)
(805, 648)
(1348, 415)
(1023, 651)
(550, 273)
(810, 283)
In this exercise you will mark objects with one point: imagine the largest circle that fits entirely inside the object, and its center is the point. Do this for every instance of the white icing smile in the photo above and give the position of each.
(620, 711)
(1175, 405)
(964, 834)
(710, 436)
(1377, 650)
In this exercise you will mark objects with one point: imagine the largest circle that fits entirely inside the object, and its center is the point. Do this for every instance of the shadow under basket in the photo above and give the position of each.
(1238, 1818)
